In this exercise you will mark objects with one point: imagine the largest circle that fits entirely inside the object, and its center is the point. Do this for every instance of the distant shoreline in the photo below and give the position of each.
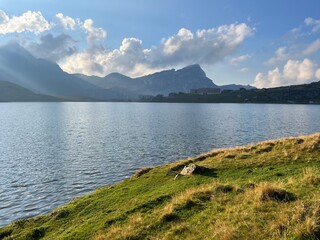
(118, 101)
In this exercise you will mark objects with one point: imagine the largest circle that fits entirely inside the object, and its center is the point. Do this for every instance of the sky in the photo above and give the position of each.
(264, 43)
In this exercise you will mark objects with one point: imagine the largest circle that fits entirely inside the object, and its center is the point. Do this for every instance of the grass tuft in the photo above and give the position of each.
(224, 188)
(272, 192)
(310, 176)
(224, 231)
(36, 234)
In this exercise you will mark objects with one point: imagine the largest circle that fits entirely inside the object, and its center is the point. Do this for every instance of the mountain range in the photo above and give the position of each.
(164, 83)
(46, 80)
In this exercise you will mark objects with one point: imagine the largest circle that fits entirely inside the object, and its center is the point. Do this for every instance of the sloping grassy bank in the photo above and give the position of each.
(266, 191)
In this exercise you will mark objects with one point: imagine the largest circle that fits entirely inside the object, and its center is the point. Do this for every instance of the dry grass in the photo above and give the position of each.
(272, 192)
(223, 231)
(310, 176)
(131, 230)
(310, 143)
(307, 221)
(190, 197)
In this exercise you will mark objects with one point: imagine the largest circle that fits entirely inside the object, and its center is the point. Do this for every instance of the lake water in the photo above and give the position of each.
(53, 152)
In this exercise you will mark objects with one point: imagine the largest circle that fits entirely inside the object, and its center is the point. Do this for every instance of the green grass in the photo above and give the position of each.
(266, 191)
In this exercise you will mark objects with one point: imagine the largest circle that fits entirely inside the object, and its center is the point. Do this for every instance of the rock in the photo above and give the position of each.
(190, 169)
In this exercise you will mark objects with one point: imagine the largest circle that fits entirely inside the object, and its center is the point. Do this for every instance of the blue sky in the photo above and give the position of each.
(265, 43)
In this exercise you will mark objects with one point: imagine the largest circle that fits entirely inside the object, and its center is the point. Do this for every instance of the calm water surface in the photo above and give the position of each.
(52, 152)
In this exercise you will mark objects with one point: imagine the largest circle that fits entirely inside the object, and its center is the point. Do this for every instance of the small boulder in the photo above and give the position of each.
(191, 169)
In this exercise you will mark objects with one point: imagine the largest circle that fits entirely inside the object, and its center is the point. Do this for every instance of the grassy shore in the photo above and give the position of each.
(266, 191)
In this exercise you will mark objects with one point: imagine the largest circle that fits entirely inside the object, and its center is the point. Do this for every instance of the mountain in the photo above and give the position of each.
(113, 80)
(182, 80)
(164, 82)
(40, 76)
(10, 92)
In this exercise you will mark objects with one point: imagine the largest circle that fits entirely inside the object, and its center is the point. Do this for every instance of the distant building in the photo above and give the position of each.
(205, 91)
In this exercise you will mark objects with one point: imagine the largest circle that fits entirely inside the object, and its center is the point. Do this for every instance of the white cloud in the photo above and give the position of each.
(203, 47)
(294, 72)
(236, 60)
(172, 44)
(312, 48)
(244, 70)
(3, 17)
(281, 55)
(318, 74)
(130, 59)
(28, 22)
(272, 79)
(94, 34)
(313, 22)
(66, 22)
(299, 71)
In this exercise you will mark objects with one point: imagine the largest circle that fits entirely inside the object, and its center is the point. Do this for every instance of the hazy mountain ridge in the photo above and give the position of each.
(40, 76)
(10, 92)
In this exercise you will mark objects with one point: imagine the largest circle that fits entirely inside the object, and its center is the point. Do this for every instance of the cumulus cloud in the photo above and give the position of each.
(66, 22)
(185, 47)
(28, 22)
(203, 47)
(130, 59)
(293, 72)
(312, 48)
(315, 23)
(236, 60)
(94, 34)
(281, 55)
(53, 48)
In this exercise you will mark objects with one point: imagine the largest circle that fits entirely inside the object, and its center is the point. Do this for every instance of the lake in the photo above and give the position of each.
(53, 152)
